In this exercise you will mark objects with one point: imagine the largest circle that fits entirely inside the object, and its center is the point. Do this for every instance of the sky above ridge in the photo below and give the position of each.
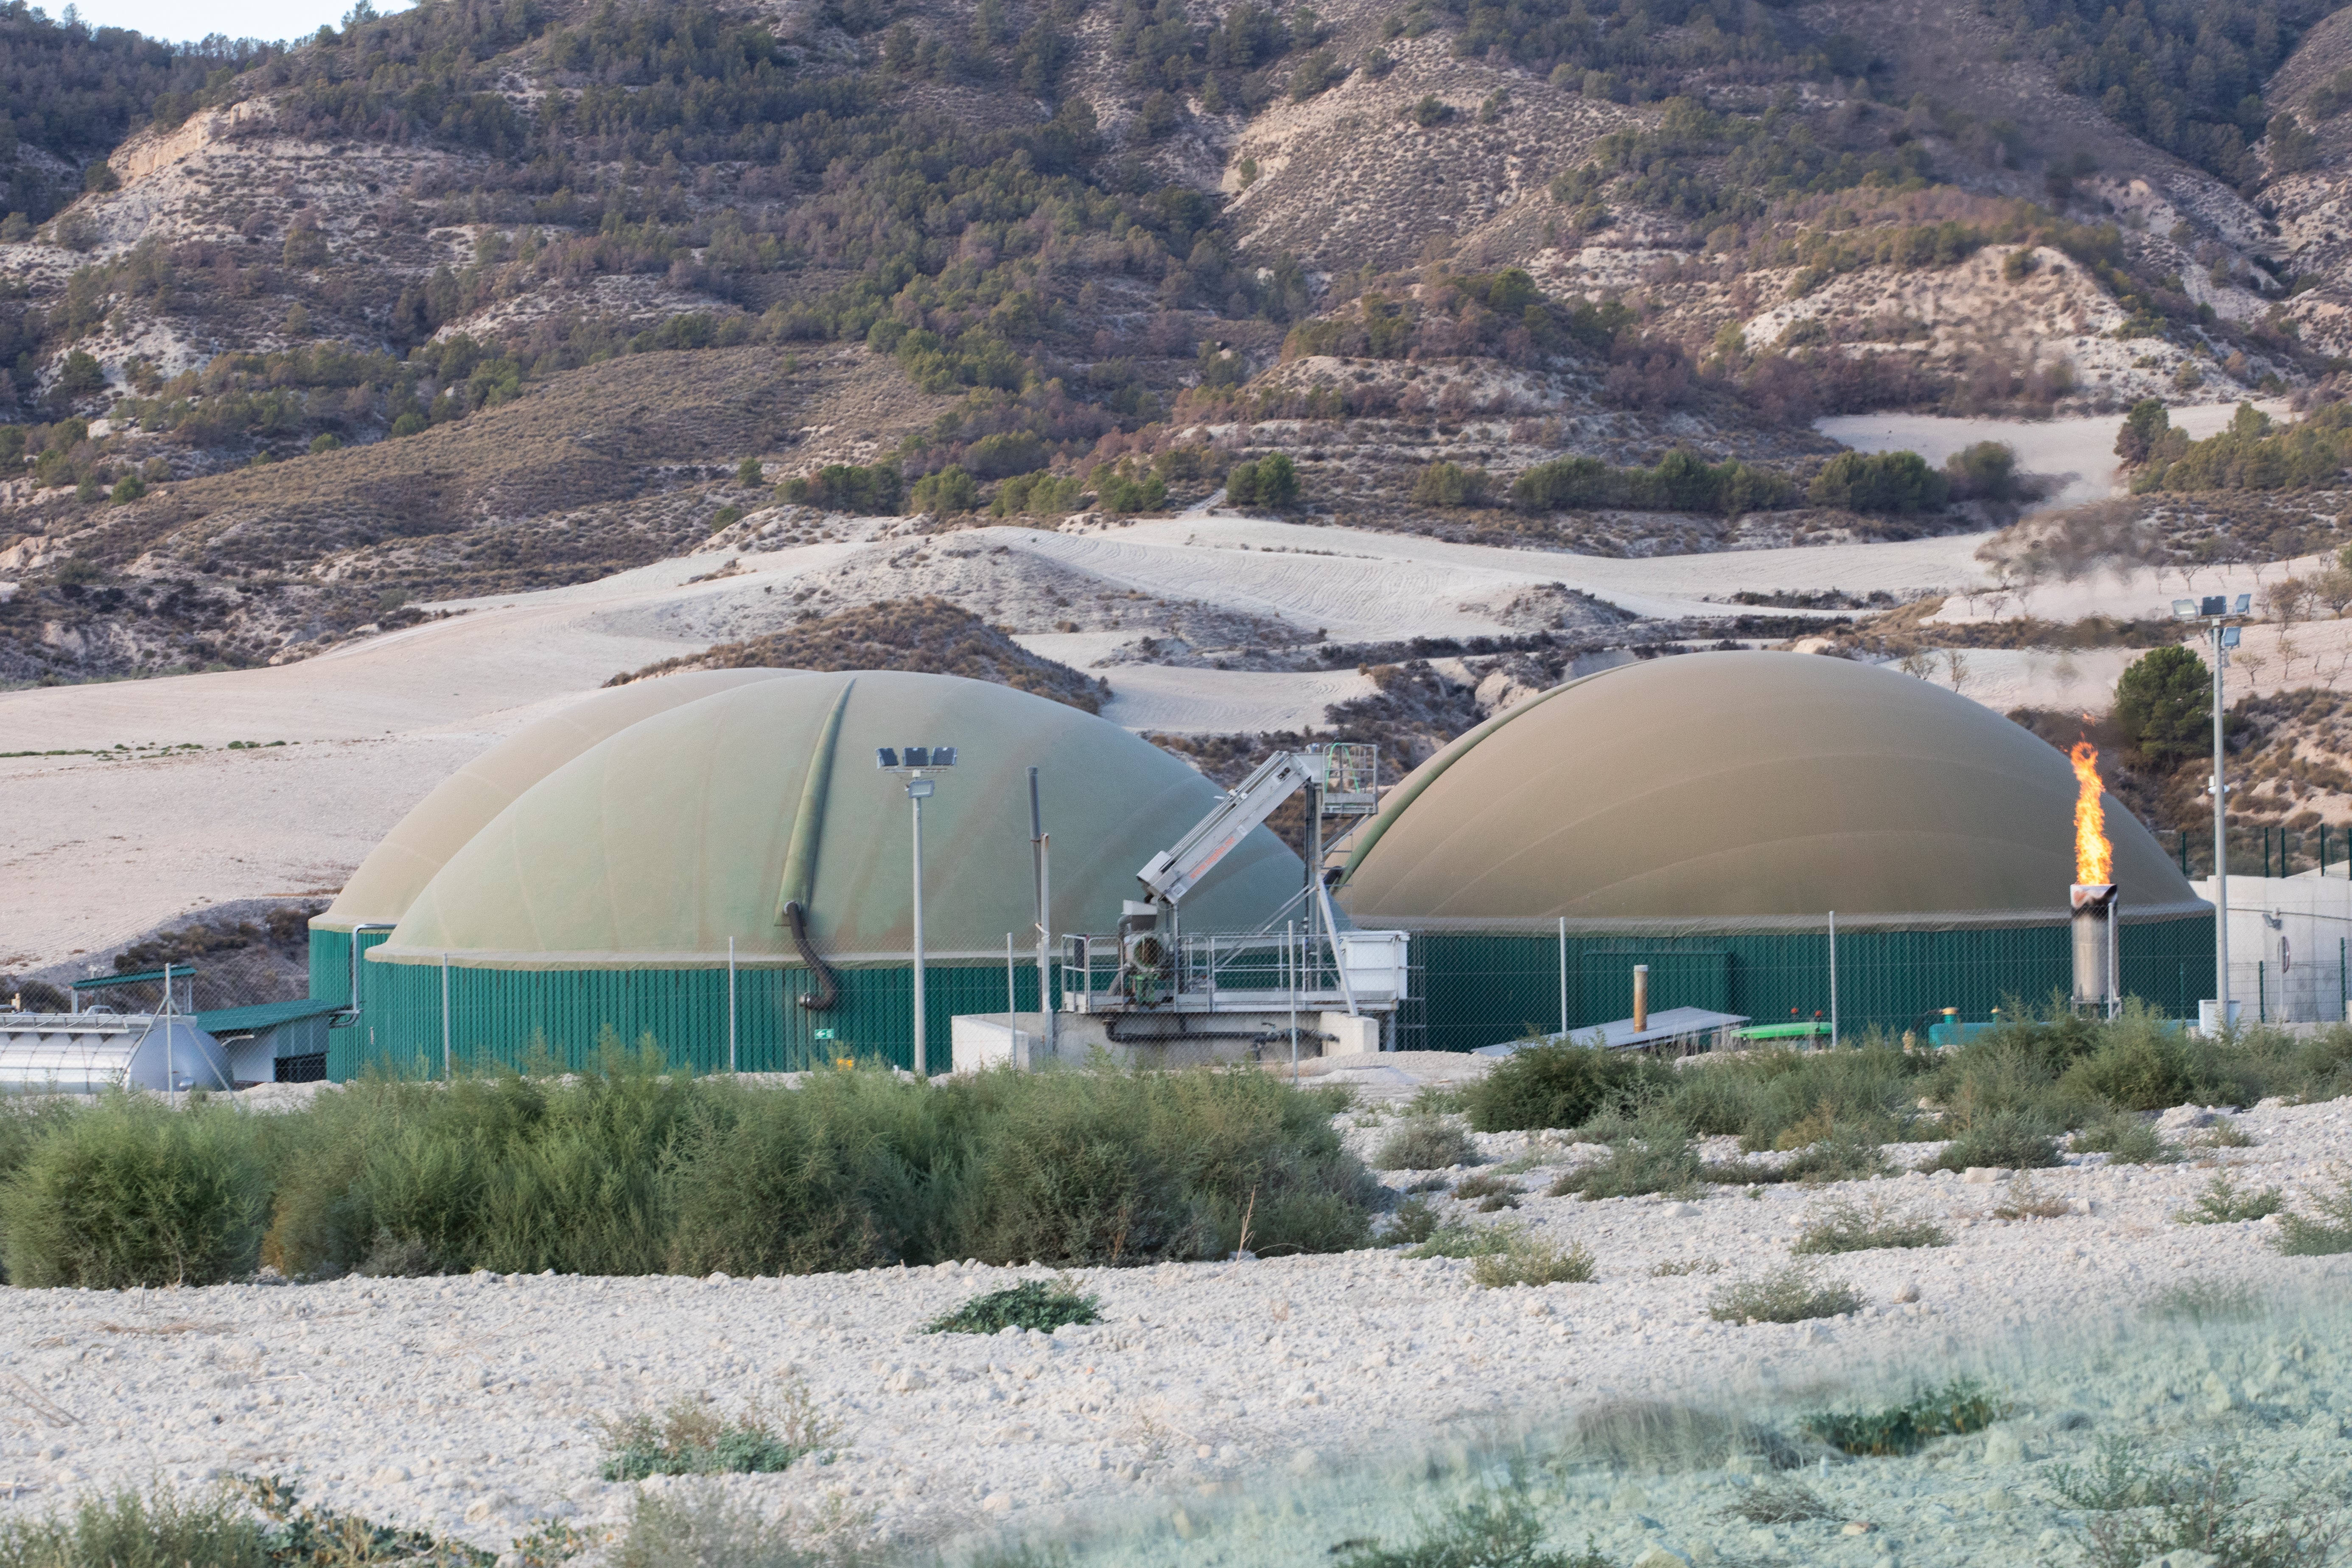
(188, 20)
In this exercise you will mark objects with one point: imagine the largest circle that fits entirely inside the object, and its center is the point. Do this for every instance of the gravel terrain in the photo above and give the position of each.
(470, 1404)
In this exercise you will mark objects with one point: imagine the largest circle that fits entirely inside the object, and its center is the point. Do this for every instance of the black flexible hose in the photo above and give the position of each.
(828, 993)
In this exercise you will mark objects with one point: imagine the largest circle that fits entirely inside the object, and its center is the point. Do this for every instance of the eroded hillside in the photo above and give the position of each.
(474, 298)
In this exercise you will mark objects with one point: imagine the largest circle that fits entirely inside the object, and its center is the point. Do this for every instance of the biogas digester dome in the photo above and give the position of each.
(1703, 815)
(587, 876)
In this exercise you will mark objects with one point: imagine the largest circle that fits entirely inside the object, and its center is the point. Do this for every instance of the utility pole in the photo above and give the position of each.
(2217, 612)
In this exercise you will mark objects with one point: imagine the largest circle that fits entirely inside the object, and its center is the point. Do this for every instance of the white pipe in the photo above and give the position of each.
(730, 1003)
(1563, 977)
(446, 1056)
(920, 1030)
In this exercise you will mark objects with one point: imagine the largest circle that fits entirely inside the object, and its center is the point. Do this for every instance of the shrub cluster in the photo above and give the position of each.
(1681, 481)
(2002, 1099)
(627, 1169)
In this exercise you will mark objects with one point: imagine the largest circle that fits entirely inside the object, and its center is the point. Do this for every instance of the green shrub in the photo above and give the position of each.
(867, 491)
(2224, 1203)
(2328, 1233)
(1526, 1259)
(692, 1439)
(1425, 1143)
(2138, 1065)
(1649, 1154)
(1780, 1502)
(1448, 484)
(1959, 1406)
(1490, 1191)
(1557, 1085)
(628, 1170)
(1495, 1527)
(2015, 1139)
(1791, 1294)
(1879, 481)
(125, 1530)
(1415, 1221)
(1040, 494)
(2126, 1139)
(1852, 1227)
(1270, 482)
(1032, 1304)
(133, 1192)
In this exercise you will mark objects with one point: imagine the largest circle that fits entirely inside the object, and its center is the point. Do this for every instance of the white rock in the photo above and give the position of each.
(996, 1502)
(390, 1476)
(1906, 1292)
(1656, 1556)
(2001, 1448)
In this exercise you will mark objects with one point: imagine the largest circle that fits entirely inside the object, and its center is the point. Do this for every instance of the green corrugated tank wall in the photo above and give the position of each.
(1473, 988)
(498, 1017)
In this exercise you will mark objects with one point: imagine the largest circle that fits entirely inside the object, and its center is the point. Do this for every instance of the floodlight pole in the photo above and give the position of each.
(2216, 611)
(916, 788)
(919, 760)
(2220, 841)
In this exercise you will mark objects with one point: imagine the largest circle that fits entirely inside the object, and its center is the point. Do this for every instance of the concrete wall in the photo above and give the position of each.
(2290, 945)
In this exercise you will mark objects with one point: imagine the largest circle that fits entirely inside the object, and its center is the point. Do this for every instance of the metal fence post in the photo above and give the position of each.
(447, 1057)
(1563, 976)
(1834, 996)
(730, 1003)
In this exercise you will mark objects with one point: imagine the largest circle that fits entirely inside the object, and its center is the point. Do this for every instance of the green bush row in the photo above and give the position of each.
(2004, 1095)
(627, 1170)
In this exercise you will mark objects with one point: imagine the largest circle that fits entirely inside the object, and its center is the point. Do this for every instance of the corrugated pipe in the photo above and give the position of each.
(799, 886)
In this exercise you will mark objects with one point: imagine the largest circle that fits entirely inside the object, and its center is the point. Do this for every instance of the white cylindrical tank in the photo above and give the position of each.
(83, 1053)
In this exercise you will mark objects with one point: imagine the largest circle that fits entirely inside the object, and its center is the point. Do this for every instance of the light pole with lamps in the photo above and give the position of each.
(2216, 611)
(917, 762)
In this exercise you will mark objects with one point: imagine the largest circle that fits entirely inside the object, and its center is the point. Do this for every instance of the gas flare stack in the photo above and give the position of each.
(2095, 982)
(2098, 982)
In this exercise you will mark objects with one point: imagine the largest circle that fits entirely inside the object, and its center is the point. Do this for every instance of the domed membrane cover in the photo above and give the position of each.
(1755, 787)
(670, 838)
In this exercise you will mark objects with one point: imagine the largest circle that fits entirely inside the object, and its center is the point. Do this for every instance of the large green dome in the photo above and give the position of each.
(465, 803)
(664, 841)
(1742, 786)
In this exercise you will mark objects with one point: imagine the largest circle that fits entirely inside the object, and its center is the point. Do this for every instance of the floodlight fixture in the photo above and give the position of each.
(2213, 605)
(2184, 609)
(2229, 635)
(2245, 603)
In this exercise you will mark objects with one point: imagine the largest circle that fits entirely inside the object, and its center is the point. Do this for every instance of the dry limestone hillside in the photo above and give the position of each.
(297, 342)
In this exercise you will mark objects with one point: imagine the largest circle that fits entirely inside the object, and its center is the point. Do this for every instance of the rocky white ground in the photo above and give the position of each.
(470, 1405)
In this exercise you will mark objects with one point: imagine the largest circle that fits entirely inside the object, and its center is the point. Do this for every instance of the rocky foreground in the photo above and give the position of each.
(472, 1406)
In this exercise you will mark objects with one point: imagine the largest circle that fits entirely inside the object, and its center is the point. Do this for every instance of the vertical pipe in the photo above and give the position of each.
(1640, 997)
(730, 1004)
(1041, 856)
(447, 1057)
(2220, 849)
(1834, 996)
(922, 1023)
(171, 1076)
(1290, 967)
(1010, 1004)
(2262, 995)
(1563, 977)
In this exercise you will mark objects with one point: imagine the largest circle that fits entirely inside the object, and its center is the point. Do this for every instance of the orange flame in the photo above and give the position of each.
(2093, 857)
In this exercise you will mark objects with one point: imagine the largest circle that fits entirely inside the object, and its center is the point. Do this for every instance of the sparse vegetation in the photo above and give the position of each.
(1032, 1304)
(2223, 1202)
(2022, 1200)
(1780, 1502)
(1527, 1259)
(1425, 1143)
(2204, 1302)
(1556, 1085)
(1790, 1294)
(692, 1437)
(1957, 1407)
(1490, 1191)
(1495, 1527)
(2325, 1234)
(2207, 1505)
(2126, 1139)
(1854, 1225)
(1649, 1152)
